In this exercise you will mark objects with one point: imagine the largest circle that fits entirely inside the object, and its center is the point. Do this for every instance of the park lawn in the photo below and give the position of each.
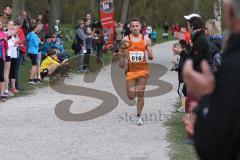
(176, 134)
(160, 38)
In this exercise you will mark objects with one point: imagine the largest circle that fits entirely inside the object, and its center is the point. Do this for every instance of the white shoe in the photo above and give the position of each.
(181, 110)
(139, 121)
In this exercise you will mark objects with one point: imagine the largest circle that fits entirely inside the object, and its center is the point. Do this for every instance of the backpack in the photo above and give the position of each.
(77, 44)
(215, 44)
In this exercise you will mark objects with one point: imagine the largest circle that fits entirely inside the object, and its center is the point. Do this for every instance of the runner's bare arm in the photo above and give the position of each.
(121, 52)
(149, 48)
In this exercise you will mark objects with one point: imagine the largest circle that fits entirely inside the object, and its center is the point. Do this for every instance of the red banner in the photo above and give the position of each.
(107, 18)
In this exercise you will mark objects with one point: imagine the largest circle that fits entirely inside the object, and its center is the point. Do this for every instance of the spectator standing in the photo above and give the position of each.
(7, 13)
(3, 52)
(187, 35)
(99, 38)
(165, 30)
(13, 54)
(217, 115)
(81, 36)
(119, 35)
(26, 22)
(154, 36)
(89, 46)
(22, 49)
(149, 31)
(33, 42)
(7, 65)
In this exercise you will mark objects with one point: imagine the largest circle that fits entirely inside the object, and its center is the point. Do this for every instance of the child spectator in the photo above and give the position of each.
(39, 56)
(33, 47)
(89, 46)
(154, 37)
(50, 63)
(3, 50)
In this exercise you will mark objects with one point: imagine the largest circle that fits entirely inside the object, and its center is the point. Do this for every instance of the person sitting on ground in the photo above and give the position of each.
(61, 56)
(50, 64)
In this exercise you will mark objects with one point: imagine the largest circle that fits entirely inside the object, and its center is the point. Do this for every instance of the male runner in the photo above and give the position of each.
(136, 47)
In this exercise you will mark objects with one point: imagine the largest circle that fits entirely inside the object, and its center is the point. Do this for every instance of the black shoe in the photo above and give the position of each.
(36, 81)
(3, 98)
(31, 81)
(39, 81)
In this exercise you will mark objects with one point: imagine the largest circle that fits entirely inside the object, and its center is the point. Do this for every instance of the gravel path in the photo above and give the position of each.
(33, 128)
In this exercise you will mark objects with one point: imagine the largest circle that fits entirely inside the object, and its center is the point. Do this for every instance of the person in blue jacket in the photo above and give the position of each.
(33, 42)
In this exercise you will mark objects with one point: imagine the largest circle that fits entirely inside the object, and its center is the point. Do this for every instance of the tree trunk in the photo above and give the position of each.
(124, 11)
(196, 6)
(18, 7)
(218, 13)
(55, 13)
(92, 6)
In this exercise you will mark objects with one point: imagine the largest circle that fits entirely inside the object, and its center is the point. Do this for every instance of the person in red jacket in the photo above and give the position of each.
(177, 28)
(187, 35)
(3, 52)
(22, 48)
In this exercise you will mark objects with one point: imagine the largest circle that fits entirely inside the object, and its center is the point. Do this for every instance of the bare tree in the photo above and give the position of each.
(124, 11)
(218, 12)
(92, 5)
(18, 7)
(55, 12)
(196, 6)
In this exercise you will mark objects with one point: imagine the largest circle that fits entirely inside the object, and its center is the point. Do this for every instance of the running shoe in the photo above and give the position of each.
(139, 121)
(6, 93)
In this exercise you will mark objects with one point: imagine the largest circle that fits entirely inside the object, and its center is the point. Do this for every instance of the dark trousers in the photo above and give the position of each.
(20, 61)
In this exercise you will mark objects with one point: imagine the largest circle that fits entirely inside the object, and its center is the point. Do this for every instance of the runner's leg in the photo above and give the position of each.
(131, 89)
(141, 85)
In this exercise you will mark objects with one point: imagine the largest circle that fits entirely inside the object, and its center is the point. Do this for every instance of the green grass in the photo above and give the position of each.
(160, 38)
(178, 150)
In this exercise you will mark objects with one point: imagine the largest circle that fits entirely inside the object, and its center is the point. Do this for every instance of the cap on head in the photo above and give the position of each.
(192, 16)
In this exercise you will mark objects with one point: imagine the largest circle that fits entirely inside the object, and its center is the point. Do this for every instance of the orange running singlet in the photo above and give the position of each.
(136, 57)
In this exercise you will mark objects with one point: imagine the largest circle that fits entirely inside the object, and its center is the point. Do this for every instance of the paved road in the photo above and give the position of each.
(32, 128)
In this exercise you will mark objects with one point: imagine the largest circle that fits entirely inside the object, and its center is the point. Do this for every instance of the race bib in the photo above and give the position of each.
(136, 56)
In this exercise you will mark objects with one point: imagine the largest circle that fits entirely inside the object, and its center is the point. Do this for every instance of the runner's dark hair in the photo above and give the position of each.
(135, 20)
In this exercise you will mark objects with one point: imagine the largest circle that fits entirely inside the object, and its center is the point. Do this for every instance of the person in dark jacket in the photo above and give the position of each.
(217, 129)
(82, 36)
(198, 50)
